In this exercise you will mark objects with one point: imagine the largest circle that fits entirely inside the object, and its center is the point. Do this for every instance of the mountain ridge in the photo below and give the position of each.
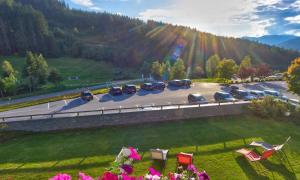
(52, 28)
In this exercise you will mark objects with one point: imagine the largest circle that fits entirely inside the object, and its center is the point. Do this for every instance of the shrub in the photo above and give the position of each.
(271, 107)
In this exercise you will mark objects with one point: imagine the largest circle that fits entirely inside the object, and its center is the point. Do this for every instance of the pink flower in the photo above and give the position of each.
(192, 168)
(127, 168)
(203, 176)
(61, 177)
(82, 176)
(134, 154)
(109, 176)
(126, 177)
(153, 172)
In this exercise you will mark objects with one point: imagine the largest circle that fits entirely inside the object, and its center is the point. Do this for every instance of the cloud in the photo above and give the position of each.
(295, 32)
(293, 20)
(230, 18)
(85, 3)
(296, 5)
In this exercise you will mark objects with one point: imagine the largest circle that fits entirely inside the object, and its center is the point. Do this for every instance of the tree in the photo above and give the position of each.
(246, 72)
(198, 72)
(54, 77)
(8, 84)
(293, 76)
(8, 81)
(245, 69)
(262, 71)
(146, 68)
(7, 69)
(246, 62)
(211, 66)
(226, 69)
(157, 69)
(35, 70)
(178, 70)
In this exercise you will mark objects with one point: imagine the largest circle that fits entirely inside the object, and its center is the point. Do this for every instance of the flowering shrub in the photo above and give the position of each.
(61, 177)
(122, 168)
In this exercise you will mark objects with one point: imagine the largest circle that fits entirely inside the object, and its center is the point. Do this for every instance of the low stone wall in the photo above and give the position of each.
(125, 118)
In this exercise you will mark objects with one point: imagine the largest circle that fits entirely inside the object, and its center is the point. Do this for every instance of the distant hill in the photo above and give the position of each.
(52, 28)
(284, 41)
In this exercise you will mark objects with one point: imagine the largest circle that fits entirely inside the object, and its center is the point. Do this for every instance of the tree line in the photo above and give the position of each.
(215, 67)
(35, 73)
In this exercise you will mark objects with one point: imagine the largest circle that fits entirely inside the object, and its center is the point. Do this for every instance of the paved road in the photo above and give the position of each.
(141, 99)
(66, 92)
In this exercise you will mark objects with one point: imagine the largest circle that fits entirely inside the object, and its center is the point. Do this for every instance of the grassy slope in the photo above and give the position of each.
(40, 156)
(89, 71)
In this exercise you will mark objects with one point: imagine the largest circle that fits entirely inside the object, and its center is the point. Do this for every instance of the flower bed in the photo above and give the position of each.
(122, 168)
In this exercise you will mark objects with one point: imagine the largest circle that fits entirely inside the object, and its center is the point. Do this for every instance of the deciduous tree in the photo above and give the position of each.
(178, 70)
(226, 69)
(262, 71)
(211, 66)
(54, 77)
(293, 76)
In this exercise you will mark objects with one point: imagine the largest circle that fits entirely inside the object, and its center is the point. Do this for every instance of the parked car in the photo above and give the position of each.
(243, 95)
(257, 94)
(176, 83)
(186, 82)
(147, 87)
(129, 89)
(159, 85)
(115, 91)
(275, 94)
(223, 97)
(197, 99)
(233, 89)
(87, 95)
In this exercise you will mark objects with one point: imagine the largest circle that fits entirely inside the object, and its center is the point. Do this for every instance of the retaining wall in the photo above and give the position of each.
(96, 121)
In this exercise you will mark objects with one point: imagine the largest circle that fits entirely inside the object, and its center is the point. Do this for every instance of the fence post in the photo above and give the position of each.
(199, 105)
(120, 109)
(3, 119)
(179, 106)
(161, 107)
(77, 114)
(30, 116)
(51, 116)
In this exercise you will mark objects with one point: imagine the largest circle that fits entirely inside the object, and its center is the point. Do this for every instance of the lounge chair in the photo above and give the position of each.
(184, 159)
(268, 146)
(252, 156)
(277, 148)
(159, 154)
(255, 158)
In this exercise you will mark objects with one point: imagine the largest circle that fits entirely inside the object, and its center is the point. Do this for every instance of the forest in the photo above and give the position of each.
(53, 29)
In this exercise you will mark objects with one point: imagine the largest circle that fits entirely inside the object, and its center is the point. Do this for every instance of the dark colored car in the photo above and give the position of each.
(186, 82)
(175, 83)
(159, 85)
(115, 91)
(147, 87)
(196, 98)
(233, 89)
(243, 95)
(223, 97)
(129, 89)
(258, 94)
(87, 95)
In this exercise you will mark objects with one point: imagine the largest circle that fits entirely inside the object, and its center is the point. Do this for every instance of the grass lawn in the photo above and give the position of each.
(213, 141)
(89, 72)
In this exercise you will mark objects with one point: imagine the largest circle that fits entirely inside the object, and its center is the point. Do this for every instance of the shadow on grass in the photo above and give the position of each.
(54, 168)
(250, 172)
(280, 169)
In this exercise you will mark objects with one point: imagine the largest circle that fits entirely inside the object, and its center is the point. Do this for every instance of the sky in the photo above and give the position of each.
(235, 18)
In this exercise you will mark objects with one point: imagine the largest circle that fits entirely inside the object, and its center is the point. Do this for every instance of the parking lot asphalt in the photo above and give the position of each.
(170, 95)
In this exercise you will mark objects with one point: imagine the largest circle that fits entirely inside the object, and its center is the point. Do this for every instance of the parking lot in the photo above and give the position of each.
(171, 95)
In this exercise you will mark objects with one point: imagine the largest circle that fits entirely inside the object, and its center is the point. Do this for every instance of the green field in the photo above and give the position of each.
(213, 141)
(89, 72)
